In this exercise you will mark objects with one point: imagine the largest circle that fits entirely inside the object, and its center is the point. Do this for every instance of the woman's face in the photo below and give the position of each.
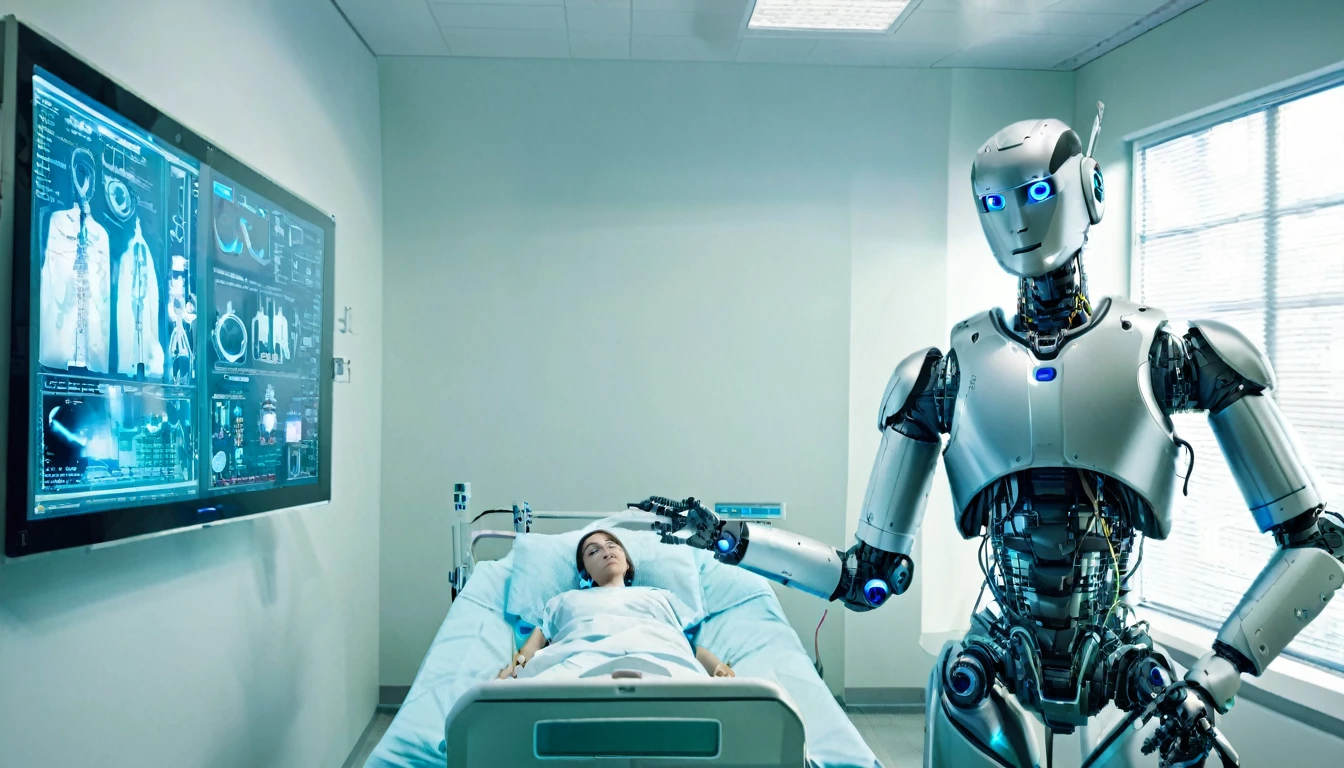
(604, 559)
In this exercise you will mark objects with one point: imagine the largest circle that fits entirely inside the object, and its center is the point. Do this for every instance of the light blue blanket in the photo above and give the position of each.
(745, 625)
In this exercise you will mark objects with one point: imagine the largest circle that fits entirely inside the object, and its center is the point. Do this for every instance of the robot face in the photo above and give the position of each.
(1029, 197)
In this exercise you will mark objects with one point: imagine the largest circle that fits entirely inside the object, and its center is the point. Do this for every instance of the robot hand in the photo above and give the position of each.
(876, 575)
(1186, 734)
(689, 513)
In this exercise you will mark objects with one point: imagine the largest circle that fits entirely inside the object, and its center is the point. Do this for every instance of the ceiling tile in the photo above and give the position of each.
(718, 7)
(607, 5)
(494, 2)
(507, 43)
(670, 48)
(589, 46)
(925, 26)
(480, 16)
(1098, 25)
(1019, 52)
(601, 20)
(775, 50)
(703, 25)
(1008, 6)
(396, 27)
(1123, 7)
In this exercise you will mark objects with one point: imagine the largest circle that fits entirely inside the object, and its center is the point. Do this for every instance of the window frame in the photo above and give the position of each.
(1289, 678)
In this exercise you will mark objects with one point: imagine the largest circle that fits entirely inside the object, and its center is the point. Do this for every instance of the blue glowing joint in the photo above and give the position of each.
(876, 592)
(1157, 676)
(725, 543)
(1045, 374)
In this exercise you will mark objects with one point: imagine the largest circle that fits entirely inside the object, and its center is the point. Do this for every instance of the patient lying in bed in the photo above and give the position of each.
(608, 625)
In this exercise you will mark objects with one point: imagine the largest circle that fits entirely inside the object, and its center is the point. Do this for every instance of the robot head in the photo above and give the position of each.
(1037, 194)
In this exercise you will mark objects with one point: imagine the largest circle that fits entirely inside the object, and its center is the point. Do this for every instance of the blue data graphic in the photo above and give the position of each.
(264, 378)
(114, 220)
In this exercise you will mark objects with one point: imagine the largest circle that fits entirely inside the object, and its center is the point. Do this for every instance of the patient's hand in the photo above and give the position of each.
(723, 670)
(515, 664)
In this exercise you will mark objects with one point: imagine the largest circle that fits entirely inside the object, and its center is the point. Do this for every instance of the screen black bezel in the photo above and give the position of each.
(28, 537)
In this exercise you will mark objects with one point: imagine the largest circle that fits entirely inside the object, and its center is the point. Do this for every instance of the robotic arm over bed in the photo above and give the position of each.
(913, 413)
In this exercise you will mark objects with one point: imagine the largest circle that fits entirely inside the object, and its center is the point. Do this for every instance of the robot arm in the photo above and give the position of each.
(1232, 381)
(879, 564)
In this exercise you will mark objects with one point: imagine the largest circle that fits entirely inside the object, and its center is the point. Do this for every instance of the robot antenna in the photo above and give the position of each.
(1096, 128)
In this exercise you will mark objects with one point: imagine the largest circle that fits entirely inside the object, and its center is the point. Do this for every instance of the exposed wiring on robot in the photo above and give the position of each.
(816, 644)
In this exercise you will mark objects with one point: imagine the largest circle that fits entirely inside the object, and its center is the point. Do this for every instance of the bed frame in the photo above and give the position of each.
(619, 721)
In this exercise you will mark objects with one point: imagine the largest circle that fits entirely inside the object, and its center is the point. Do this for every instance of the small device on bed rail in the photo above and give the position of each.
(763, 510)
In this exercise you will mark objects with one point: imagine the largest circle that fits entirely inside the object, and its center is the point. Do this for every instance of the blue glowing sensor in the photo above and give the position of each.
(876, 591)
(992, 202)
(1045, 374)
(1155, 674)
(1098, 186)
(1039, 191)
(725, 543)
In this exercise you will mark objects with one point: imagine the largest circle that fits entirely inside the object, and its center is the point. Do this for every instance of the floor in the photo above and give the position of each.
(372, 735)
(896, 736)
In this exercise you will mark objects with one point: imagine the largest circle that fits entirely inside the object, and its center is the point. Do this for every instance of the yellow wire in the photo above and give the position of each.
(1106, 528)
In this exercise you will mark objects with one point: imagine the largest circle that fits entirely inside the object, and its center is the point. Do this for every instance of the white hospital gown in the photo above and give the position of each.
(594, 632)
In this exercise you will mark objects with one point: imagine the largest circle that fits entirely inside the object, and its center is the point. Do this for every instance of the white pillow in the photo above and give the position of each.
(543, 567)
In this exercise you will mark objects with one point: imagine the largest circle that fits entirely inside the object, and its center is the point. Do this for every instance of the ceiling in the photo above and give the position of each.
(1056, 35)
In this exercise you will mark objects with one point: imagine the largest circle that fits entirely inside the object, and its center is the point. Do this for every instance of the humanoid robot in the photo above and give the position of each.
(1060, 452)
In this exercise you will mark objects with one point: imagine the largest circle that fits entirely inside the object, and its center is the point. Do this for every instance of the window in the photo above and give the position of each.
(1242, 220)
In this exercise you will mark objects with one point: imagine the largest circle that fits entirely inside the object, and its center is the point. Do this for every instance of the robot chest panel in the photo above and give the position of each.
(1089, 407)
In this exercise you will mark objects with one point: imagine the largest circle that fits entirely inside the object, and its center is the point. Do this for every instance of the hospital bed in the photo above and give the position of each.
(777, 712)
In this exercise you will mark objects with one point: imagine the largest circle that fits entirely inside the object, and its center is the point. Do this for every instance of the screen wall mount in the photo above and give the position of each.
(170, 309)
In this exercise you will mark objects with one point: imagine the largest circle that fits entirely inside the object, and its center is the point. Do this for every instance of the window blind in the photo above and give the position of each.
(1243, 221)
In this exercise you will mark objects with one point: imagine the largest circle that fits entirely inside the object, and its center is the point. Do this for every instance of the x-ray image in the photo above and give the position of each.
(182, 322)
(111, 209)
(139, 351)
(76, 279)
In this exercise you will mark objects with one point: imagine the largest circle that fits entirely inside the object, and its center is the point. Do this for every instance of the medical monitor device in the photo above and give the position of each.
(170, 316)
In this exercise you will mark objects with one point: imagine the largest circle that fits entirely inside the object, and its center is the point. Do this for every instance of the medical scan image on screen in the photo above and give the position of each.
(265, 341)
(114, 223)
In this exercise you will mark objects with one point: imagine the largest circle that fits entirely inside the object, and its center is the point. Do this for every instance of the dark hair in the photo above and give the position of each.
(629, 564)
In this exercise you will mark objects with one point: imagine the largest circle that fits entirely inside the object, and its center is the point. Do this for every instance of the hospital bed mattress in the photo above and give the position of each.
(746, 625)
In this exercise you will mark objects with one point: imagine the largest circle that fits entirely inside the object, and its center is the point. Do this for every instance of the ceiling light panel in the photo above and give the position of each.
(827, 15)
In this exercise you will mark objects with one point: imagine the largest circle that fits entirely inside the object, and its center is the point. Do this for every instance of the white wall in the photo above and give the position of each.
(254, 643)
(634, 278)
(1219, 51)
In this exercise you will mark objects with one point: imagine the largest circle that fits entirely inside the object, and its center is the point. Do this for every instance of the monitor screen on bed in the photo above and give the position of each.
(170, 318)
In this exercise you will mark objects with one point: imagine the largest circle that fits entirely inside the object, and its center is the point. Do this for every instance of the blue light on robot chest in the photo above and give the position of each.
(1045, 374)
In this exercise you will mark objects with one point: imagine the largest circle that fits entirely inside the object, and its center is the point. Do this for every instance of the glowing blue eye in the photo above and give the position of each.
(993, 202)
(1039, 191)
(876, 591)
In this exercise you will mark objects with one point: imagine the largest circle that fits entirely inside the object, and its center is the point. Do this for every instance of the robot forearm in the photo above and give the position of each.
(1282, 493)
(792, 560)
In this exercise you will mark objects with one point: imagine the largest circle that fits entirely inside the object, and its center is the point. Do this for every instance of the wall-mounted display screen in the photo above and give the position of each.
(170, 324)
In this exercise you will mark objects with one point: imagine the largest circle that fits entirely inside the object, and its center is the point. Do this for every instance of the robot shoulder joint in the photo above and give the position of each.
(1238, 352)
(907, 383)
